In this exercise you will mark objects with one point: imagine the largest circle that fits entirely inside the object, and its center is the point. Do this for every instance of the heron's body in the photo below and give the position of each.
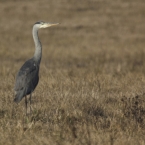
(28, 75)
(26, 79)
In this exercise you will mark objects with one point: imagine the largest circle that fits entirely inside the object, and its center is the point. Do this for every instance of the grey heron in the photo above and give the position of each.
(28, 76)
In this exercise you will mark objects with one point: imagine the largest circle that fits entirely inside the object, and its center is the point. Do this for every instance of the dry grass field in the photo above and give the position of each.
(92, 75)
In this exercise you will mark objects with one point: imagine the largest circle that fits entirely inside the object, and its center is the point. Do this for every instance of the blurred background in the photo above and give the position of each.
(106, 36)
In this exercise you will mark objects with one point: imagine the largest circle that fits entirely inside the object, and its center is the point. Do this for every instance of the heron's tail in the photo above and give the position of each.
(18, 96)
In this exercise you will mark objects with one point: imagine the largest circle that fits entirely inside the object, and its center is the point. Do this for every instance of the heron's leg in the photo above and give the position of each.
(30, 101)
(26, 104)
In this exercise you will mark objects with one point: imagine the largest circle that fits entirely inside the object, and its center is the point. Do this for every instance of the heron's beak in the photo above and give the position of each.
(48, 25)
(52, 24)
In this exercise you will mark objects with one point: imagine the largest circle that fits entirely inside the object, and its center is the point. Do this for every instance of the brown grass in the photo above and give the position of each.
(92, 82)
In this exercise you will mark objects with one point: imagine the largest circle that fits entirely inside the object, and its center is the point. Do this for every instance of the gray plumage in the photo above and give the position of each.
(28, 75)
(26, 80)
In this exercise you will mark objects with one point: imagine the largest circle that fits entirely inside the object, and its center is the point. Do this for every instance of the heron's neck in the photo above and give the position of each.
(38, 47)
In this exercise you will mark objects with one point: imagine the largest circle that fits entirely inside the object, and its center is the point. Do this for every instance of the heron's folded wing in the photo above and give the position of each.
(25, 75)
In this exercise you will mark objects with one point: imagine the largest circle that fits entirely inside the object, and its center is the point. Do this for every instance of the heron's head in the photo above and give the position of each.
(42, 24)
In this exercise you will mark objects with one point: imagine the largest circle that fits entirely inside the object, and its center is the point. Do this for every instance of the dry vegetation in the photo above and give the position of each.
(92, 76)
